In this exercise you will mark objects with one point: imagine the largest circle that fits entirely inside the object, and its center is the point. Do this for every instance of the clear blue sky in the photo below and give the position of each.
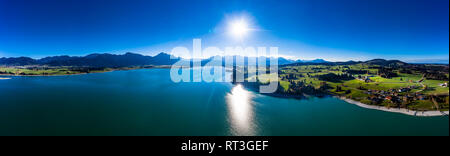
(410, 30)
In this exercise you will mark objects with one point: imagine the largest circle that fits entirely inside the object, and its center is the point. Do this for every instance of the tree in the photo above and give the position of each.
(338, 89)
(348, 91)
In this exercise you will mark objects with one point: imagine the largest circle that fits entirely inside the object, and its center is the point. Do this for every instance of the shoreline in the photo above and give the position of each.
(396, 110)
(9, 75)
(350, 101)
(47, 75)
(405, 111)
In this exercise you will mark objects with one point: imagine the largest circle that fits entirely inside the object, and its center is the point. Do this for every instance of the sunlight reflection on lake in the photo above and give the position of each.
(240, 111)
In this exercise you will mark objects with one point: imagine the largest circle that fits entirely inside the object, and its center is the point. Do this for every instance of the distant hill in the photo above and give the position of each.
(313, 61)
(281, 60)
(17, 61)
(383, 62)
(380, 62)
(93, 60)
(163, 59)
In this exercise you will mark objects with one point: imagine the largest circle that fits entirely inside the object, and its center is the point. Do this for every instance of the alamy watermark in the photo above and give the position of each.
(248, 64)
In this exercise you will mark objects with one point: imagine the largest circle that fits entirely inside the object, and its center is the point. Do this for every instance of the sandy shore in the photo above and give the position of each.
(4, 78)
(397, 110)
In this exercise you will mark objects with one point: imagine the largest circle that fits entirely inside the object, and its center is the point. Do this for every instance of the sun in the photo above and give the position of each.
(238, 28)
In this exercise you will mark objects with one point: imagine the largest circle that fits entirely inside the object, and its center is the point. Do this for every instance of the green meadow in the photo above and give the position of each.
(356, 89)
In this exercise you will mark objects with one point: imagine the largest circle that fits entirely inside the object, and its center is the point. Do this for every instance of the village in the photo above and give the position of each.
(415, 88)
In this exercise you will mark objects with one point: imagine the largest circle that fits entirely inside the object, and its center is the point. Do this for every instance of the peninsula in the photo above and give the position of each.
(390, 85)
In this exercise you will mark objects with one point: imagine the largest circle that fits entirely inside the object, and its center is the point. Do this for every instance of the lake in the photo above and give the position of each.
(147, 102)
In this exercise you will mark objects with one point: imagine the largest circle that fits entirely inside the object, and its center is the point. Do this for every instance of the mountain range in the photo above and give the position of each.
(93, 60)
(132, 59)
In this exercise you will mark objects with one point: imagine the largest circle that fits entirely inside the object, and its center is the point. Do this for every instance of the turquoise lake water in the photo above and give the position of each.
(147, 102)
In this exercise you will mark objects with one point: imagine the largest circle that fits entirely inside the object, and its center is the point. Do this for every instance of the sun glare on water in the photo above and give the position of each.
(240, 110)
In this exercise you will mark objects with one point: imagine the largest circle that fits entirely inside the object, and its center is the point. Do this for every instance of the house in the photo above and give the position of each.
(388, 98)
(420, 97)
(374, 99)
(396, 100)
(367, 79)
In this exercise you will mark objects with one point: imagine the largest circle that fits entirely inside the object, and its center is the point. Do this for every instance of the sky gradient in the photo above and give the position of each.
(336, 30)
